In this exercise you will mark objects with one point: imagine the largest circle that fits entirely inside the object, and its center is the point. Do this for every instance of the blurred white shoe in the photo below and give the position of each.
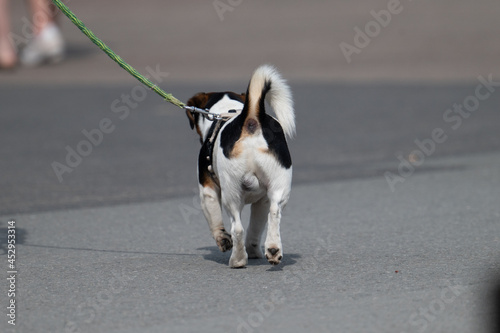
(47, 46)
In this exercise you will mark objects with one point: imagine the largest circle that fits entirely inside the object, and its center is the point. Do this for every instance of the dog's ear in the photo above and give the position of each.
(199, 100)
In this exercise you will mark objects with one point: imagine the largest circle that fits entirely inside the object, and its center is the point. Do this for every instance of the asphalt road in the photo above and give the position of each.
(357, 258)
(150, 153)
(394, 220)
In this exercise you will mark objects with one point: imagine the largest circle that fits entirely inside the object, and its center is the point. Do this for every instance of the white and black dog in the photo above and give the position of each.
(245, 160)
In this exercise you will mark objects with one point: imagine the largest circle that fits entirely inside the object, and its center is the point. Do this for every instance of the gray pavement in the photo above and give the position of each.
(393, 224)
(358, 258)
(345, 131)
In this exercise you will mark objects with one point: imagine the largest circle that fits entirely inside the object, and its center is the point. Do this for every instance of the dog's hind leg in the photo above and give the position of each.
(258, 220)
(273, 247)
(239, 257)
(211, 205)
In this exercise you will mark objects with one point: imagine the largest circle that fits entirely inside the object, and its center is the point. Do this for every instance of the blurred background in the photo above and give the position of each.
(205, 41)
(360, 100)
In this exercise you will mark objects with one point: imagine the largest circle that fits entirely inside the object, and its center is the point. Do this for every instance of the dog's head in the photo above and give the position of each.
(210, 101)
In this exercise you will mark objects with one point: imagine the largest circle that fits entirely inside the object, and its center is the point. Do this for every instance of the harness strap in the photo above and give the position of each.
(209, 142)
(219, 119)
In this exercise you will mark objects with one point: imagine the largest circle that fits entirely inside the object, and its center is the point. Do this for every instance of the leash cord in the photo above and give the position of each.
(131, 70)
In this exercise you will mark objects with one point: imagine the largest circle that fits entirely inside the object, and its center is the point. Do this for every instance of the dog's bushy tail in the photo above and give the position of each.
(267, 84)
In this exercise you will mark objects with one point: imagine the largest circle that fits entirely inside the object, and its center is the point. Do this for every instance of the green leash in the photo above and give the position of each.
(131, 70)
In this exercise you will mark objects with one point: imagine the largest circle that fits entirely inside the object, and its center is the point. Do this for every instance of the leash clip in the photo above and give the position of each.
(207, 114)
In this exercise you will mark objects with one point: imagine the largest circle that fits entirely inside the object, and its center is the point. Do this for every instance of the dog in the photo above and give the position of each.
(244, 159)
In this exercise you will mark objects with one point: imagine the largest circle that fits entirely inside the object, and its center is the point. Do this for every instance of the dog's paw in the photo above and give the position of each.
(238, 261)
(224, 241)
(254, 251)
(274, 255)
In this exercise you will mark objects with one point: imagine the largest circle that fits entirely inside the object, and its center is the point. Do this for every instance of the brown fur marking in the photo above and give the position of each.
(208, 181)
(199, 100)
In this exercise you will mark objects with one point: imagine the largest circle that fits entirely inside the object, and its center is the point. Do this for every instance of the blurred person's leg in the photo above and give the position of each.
(8, 56)
(48, 43)
(44, 13)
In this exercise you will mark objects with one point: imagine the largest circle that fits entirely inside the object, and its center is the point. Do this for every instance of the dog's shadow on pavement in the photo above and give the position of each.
(222, 258)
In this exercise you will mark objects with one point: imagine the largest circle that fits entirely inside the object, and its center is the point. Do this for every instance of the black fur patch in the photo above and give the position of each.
(276, 141)
(231, 133)
(271, 130)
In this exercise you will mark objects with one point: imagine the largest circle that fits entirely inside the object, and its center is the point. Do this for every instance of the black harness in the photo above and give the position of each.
(205, 159)
(208, 146)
